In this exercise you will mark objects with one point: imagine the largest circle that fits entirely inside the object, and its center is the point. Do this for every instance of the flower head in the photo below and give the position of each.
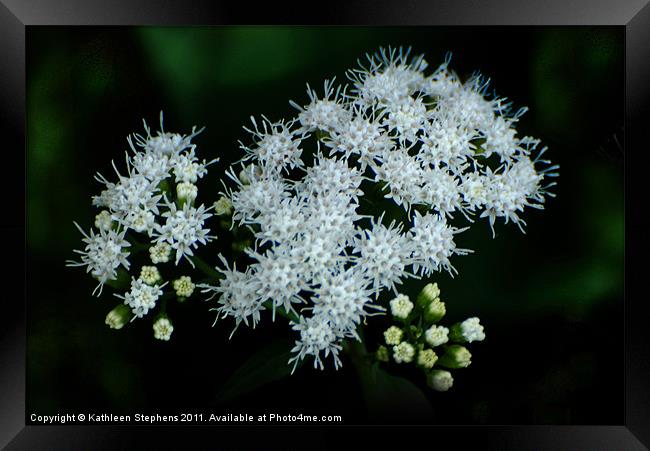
(104, 253)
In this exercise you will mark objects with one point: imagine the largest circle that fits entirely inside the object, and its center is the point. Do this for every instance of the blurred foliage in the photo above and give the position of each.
(544, 297)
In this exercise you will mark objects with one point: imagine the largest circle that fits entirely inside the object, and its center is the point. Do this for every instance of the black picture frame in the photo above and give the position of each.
(634, 16)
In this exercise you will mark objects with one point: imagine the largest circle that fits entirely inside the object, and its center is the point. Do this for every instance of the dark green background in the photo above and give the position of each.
(551, 300)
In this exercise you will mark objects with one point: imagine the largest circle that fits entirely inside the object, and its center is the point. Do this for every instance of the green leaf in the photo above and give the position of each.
(388, 397)
(268, 364)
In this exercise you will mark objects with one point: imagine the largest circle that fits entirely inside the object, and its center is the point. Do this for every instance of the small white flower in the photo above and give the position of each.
(142, 297)
(165, 143)
(188, 168)
(436, 335)
(401, 306)
(162, 329)
(130, 199)
(184, 287)
(276, 148)
(238, 295)
(184, 229)
(472, 330)
(316, 337)
(324, 114)
(433, 243)
(384, 253)
(260, 195)
(403, 352)
(154, 166)
(104, 253)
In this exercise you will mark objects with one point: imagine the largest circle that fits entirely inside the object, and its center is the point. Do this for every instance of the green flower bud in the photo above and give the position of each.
(428, 294)
(468, 331)
(382, 354)
(427, 358)
(118, 317)
(456, 356)
(440, 380)
(435, 310)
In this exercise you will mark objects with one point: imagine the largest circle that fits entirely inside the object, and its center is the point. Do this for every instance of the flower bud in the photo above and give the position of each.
(436, 335)
(401, 307)
(160, 252)
(186, 192)
(149, 275)
(162, 328)
(456, 356)
(382, 354)
(393, 335)
(223, 207)
(428, 294)
(118, 317)
(184, 287)
(104, 221)
(427, 358)
(440, 380)
(403, 352)
(468, 331)
(434, 311)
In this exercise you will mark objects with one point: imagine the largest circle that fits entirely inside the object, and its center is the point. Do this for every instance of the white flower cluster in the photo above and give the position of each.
(432, 144)
(152, 201)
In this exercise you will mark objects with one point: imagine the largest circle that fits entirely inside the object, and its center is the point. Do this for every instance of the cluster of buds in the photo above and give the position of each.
(418, 338)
